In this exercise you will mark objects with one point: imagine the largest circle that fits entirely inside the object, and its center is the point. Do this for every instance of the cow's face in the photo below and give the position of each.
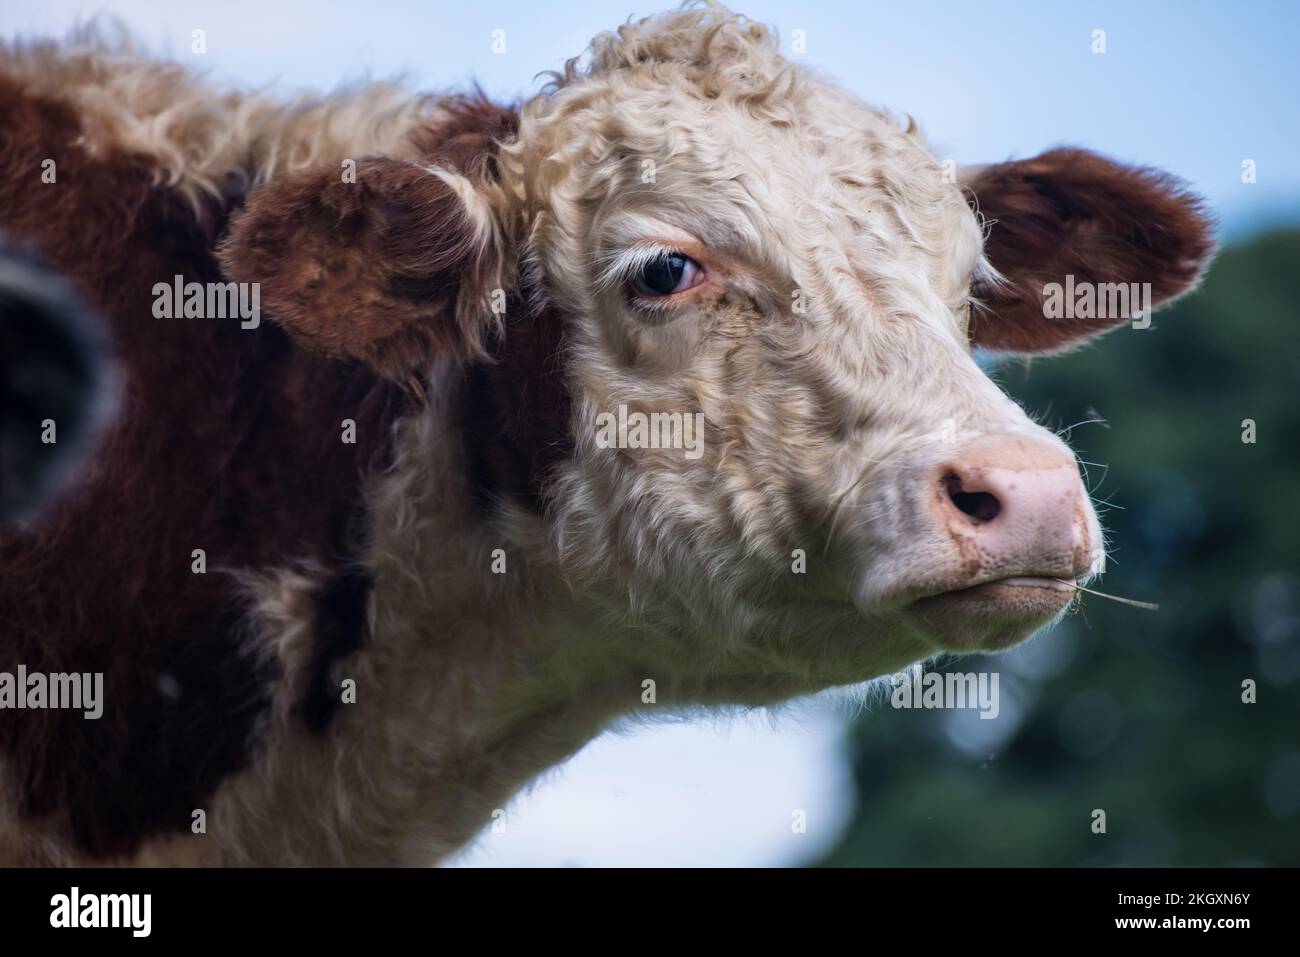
(743, 246)
(783, 286)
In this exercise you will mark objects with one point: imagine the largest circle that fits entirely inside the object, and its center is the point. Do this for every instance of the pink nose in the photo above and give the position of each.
(1015, 506)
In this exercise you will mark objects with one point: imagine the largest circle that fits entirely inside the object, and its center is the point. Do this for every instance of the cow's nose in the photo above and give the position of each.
(1016, 506)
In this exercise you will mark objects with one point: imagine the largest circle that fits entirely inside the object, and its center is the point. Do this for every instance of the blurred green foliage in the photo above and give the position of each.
(1135, 712)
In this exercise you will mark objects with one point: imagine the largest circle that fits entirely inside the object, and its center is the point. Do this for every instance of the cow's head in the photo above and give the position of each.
(691, 225)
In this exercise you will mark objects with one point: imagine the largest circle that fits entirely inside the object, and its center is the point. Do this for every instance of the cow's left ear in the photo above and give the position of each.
(393, 269)
(1071, 213)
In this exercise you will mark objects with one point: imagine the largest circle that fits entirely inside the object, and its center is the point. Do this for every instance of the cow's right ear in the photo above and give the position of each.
(392, 270)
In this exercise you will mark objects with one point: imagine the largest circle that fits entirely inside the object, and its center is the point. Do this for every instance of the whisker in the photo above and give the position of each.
(1071, 428)
(1146, 605)
(1107, 503)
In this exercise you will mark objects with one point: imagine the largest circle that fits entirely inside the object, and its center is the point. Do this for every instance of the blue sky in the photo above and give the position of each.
(1192, 87)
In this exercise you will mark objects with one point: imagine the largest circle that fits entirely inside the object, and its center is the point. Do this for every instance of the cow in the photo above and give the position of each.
(657, 391)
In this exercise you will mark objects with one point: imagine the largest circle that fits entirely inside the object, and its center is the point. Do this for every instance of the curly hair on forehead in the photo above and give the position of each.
(617, 92)
(702, 41)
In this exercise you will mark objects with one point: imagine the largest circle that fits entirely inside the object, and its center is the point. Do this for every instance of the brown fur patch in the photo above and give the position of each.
(227, 440)
(1072, 212)
(465, 139)
(517, 406)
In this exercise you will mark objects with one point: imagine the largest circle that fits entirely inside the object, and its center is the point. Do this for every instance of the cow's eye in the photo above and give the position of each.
(665, 275)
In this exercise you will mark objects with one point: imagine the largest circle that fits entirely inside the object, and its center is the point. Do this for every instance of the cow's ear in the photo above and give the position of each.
(391, 268)
(1072, 213)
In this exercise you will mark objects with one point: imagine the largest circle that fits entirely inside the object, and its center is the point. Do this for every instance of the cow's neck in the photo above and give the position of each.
(481, 670)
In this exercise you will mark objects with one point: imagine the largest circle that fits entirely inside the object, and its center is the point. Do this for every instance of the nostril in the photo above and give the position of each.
(981, 507)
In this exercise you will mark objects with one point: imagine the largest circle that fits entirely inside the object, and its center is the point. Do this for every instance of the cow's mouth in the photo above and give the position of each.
(993, 614)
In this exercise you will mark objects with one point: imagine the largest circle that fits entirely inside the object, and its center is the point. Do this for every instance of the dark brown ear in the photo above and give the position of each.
(392, 270)
(1069, 220)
